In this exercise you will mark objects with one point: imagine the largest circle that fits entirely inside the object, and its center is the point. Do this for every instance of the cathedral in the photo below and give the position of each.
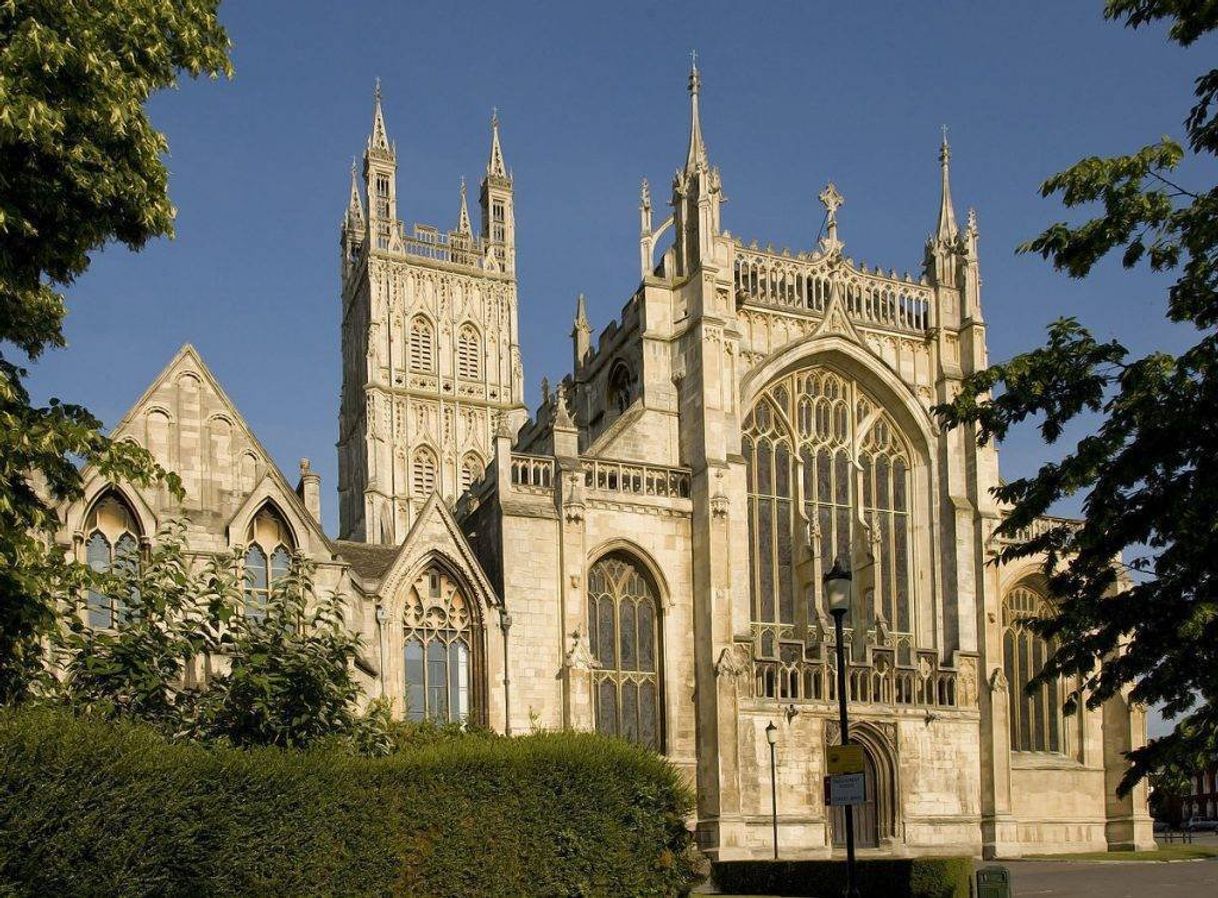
(643, 554)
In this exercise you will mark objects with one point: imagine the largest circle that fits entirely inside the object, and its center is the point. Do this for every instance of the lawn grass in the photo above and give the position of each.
(1163, 853)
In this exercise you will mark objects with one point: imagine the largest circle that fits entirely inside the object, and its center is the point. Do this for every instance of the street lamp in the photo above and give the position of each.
(505, 622)
(837, 592)
(771, 736)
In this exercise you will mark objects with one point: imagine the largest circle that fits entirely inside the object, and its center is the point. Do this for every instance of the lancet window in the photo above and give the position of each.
(422, 346)
(111, 544)
(471, 469)
(268, 557)
(439, 630)
(469, 353)
(829, 476)
(623, 636)
(1035, 720)
(423, 473)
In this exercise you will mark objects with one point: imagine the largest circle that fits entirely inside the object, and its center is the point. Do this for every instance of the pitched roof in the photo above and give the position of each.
(369, 560)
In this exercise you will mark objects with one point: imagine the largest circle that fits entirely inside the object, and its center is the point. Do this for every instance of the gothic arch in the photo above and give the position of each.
(624, 615)
(627, 547)
(145, 524)
(879, 742)
(439, 632)
(856, 362)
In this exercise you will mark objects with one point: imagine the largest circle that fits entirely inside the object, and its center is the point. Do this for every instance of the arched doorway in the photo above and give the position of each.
(866, 817)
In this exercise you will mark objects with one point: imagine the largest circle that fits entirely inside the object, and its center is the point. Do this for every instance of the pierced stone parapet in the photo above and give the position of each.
(805, 283)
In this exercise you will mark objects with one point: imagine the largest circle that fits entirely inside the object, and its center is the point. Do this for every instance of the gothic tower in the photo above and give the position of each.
(431, 354)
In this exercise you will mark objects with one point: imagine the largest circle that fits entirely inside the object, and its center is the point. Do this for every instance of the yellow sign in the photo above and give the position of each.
(845, 759)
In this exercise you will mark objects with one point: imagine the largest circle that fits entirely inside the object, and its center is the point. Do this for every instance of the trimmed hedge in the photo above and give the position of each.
(91, 808)
(920, 877)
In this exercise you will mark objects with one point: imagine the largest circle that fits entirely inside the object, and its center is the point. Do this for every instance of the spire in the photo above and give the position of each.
(379, 138)
(355, 205)
(696, 157)
(581, 315)
(495, 167)
(947, 215)
(463, 217)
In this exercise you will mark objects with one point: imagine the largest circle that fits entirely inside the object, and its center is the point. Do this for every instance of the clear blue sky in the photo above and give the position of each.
(592, 99)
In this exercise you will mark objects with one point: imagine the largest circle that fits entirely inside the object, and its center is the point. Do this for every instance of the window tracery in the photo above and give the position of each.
(111, 544)
(422, 346)
(621, 388)
(828, 467)
(268, 558)
(623, 637)
(423, 473)
(471, 470)
(439, 630)
(469, 353)
(1036, 721)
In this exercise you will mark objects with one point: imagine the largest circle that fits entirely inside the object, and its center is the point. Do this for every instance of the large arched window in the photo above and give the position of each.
(623, 635)
(111, 543)
(469, 353)
(422, 346)
(439, 630)
(1035, 720)
(268, 556)
(825, 464)
(423, 473)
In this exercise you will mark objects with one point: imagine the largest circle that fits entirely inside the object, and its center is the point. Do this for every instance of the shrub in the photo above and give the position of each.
(89, 807)
(922, 877)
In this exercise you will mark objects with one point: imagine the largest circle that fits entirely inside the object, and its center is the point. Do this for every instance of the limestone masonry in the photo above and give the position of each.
(644, 554)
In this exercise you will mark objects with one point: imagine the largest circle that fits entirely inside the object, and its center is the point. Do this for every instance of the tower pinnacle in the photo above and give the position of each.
(463, 226)
(696, 157)
(947, 230)
(379, 138)
(495, 167)
(355, 204)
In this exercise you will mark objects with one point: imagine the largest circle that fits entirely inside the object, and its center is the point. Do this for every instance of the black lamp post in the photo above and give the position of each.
(771, 736)
(837, 591)
(505, 621)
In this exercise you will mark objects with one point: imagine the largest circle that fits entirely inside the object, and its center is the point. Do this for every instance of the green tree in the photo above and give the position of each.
(1148, 473)
(80, 166)
(290, 679)
(171, 618)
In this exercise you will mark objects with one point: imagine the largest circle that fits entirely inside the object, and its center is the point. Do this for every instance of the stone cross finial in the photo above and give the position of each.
(832, 200)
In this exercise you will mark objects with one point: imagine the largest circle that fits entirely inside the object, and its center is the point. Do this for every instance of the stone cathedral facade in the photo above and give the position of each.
(642, 555)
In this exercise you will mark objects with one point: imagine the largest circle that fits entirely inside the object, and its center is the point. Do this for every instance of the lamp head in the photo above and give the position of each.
(837, 587)
(771, 733)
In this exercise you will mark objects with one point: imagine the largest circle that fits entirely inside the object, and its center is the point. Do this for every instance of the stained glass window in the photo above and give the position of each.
(623, 635)
(1035, 720)
(438, 633)
(822, 454)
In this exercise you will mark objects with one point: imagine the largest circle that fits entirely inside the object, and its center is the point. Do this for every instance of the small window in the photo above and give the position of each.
(422, 346)
(112, 544)
(268, 558)
(469, 353)
(621, 388)
(423, 473)
(471, 471)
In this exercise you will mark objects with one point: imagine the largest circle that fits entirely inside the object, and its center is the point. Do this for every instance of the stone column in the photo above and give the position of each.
(1129, 826)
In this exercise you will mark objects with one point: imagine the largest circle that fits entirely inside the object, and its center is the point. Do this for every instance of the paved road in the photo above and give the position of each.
(1112, 879)
(1115, 879)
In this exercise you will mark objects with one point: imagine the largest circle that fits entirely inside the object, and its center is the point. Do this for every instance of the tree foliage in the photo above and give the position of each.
(190, 657)
(1146, 627)
(80, 166)
(290, 680)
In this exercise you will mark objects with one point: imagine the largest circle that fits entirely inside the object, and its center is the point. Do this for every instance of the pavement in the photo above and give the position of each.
(1112, 879)
(1108, 879)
